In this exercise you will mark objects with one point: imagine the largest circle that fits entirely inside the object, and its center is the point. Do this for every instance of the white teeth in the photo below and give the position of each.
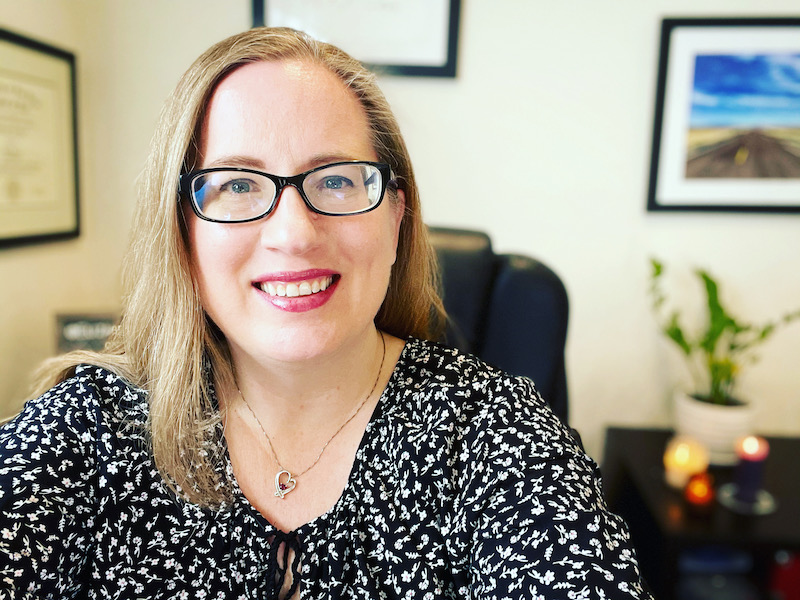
(293, 290)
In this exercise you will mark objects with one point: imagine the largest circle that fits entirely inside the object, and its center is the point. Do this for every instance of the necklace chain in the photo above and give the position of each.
(285, 482)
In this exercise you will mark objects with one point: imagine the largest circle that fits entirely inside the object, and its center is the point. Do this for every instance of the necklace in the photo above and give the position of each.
(285, 482)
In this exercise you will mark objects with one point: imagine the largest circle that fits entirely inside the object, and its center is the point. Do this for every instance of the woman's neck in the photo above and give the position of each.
(312, 394)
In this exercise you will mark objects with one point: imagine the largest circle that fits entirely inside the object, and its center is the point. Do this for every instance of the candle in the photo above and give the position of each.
(683, 458)
(699, 493)
(752, 452)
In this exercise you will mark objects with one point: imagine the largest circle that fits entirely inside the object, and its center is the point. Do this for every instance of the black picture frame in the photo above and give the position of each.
(39, 183)
(702, 140)
(440, 64)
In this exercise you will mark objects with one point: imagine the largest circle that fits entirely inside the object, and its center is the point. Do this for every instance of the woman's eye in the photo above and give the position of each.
(238, 186)
(336, 183)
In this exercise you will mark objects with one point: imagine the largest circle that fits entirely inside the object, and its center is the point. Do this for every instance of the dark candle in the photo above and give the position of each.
(752, 451)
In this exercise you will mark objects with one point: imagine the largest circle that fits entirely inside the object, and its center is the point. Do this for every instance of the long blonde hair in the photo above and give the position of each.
(164, 342)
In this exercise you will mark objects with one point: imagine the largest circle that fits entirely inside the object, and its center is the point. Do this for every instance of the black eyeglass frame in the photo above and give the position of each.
(281, 182)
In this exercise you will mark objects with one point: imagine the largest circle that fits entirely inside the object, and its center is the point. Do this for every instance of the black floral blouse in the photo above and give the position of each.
(465, 486)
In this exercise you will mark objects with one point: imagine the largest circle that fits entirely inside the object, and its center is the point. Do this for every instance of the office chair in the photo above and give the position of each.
(509, 310)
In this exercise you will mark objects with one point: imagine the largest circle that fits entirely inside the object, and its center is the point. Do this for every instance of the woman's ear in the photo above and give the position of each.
(399, 207)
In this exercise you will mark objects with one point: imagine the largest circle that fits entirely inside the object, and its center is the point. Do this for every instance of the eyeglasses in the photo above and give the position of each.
(233, 195)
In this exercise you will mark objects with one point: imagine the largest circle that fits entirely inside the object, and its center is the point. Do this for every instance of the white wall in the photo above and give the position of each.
(129, 56)
(42, 280)
(543, 140)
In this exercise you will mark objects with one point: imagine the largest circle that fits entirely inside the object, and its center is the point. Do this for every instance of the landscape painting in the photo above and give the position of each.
(745, 116)
(726, 127)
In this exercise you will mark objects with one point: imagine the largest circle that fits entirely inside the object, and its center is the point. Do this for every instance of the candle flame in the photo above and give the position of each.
(683, 458)
(700, 489)
(683, 453)
(750, 444)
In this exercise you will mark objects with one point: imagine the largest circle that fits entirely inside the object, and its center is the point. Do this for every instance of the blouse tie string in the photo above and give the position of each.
(283, 544)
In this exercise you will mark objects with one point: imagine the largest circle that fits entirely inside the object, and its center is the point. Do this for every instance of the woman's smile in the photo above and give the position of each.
(292, 290)
(298, 292)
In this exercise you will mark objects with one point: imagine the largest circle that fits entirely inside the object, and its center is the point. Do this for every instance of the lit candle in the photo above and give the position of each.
(752, 452)
(699, 493)
(683, 458)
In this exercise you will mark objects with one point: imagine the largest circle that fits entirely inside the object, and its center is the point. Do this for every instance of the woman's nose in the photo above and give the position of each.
(292, 226)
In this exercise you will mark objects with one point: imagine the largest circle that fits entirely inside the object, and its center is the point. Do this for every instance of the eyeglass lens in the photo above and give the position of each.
(240, 195)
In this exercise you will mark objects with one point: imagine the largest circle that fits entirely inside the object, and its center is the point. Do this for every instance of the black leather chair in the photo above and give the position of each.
(507, 309)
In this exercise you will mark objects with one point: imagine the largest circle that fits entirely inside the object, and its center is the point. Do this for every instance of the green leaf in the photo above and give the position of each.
(719, 321)
(674, 332)
(657, 268)
(722, 343)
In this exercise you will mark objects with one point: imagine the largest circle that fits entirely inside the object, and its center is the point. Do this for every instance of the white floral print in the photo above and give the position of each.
(465, 486)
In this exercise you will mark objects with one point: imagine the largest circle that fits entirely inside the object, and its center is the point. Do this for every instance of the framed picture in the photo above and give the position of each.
(727, 118)
(394, 37)
(84, 331)
(38, 142)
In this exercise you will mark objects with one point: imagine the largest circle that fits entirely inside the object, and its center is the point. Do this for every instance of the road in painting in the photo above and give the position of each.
(745, 117)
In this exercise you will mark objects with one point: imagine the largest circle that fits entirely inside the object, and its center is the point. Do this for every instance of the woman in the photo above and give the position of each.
(267, 421)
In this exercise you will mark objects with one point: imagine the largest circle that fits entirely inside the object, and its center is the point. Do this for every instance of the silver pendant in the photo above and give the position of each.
(287, 485)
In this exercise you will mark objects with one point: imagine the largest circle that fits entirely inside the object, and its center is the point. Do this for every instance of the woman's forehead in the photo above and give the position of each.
(283, 106)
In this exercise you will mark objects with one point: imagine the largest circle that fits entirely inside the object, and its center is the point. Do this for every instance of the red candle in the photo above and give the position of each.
(700, 489)
(699, 493)
(752, 452)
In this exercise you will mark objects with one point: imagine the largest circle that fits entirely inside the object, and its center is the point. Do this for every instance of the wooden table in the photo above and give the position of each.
(661, 525)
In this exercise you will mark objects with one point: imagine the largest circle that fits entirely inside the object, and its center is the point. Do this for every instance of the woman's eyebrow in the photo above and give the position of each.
(236, 161)
(324, 159)
(250, 162)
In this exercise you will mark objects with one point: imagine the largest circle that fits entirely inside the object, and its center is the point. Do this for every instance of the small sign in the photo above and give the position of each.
(84, 332)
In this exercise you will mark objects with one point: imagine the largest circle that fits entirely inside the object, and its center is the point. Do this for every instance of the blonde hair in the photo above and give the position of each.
(164, 342)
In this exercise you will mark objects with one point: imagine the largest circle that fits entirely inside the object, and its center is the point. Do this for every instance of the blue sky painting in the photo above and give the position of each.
(746, 91)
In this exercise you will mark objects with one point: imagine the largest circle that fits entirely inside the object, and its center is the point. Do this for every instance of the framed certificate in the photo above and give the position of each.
(394, 37)
(38, 142)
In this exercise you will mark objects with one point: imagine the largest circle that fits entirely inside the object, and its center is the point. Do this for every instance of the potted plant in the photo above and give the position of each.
(715, 354)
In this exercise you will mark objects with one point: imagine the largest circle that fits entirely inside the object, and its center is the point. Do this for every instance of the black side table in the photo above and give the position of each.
(661, 525)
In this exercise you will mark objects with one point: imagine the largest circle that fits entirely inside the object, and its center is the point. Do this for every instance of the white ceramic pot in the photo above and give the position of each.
(716, 427)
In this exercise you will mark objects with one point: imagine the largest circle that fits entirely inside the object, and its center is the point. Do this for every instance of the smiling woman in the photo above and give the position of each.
(271, 418)
(257, 113)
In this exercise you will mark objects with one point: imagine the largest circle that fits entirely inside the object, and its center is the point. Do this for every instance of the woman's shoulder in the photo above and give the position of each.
(442, 388)
(452, 406)
(427, 364)
(93, 397)
(437, 381)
